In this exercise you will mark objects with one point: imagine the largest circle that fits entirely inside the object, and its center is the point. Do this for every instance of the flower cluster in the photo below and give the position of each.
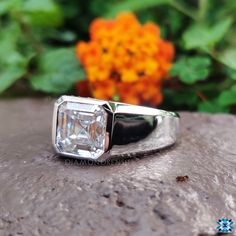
(126, 60)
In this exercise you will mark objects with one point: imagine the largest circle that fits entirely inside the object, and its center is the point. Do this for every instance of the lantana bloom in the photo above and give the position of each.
(126, 60)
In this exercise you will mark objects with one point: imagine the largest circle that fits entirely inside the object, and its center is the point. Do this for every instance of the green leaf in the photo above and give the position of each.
(58, 71)
(9, 37)
(12, 63)
(231, 73)
(191, 69)
(228, 97)
(212, 107)
(201, 36)
(9, 76)
(133, 5)
(42, 13)
(4, 7)
(8, 5)
(228, 57)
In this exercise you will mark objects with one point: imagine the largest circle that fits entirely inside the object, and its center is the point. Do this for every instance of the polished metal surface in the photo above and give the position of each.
(131, 130)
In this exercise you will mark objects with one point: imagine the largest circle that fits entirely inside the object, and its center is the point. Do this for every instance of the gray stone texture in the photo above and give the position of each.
(42, 194)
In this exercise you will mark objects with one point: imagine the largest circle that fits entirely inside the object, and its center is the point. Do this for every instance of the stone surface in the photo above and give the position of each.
(179, 191)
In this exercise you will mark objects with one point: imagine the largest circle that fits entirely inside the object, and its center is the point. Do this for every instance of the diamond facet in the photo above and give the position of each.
(81, 129)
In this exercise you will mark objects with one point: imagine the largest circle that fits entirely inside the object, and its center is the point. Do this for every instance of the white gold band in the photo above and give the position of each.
(87, 128)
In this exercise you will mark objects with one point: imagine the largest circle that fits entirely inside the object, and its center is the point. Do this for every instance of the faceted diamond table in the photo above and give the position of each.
(80, 129)
(180, 191)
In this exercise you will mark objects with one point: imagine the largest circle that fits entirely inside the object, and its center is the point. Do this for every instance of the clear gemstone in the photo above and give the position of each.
(81, 129)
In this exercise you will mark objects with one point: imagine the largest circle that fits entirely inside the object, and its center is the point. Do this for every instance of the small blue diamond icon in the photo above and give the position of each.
(225, 225)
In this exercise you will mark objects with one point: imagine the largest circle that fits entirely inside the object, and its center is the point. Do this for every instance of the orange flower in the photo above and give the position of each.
(126, 60)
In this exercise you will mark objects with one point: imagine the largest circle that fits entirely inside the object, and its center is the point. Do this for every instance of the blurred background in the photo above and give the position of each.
(38, 57)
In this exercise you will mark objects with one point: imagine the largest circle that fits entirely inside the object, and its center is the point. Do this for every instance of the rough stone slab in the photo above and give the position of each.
(45, 195)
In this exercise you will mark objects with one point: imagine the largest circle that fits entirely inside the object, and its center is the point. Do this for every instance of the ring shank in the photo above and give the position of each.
(137, 129)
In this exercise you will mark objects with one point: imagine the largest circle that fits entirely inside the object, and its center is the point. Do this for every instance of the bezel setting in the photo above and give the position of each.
(80, 127)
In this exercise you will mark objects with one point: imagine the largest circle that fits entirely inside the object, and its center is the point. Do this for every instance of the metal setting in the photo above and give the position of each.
(129, 130)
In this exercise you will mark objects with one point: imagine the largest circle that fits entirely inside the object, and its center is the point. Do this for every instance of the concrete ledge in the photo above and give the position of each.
(179, 191)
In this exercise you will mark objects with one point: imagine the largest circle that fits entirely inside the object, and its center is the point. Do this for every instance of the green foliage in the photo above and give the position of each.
(131, 5)
(58, 71)
(191, 69)
(231, 73)
(12, 62)
(41, 13)
(212, 106)
(201, 36)
(228, 97)
(228, 57)
(27, 25)
(37, 40)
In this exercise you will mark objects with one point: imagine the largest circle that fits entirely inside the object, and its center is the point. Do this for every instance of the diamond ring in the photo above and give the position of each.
(87, 128)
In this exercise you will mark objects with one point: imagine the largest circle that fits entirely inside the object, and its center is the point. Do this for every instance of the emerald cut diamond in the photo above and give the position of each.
(81, 129)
